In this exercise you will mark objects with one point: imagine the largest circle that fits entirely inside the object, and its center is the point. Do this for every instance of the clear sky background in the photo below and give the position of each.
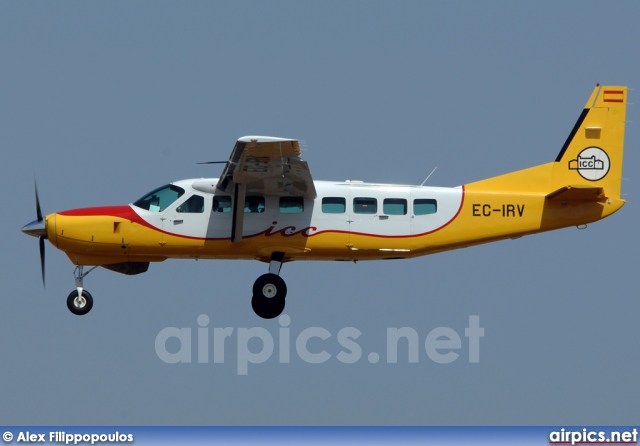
(104, 101)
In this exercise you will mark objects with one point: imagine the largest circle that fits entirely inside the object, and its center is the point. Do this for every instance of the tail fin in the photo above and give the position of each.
(591, 158)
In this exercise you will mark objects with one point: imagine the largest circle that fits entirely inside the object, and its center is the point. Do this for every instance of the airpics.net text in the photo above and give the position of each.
(257, 345)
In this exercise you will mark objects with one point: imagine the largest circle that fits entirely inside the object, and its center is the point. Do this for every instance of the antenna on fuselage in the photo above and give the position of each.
(428, 176)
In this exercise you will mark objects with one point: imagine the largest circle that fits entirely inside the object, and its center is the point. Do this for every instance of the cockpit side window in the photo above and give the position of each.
(160, 199)
(194, 205)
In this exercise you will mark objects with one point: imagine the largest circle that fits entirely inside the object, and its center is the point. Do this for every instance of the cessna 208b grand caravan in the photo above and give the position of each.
(266, 206)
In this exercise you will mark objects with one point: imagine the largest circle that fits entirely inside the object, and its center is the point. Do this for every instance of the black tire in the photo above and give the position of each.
(269, 292)
(270, 286)
(267, 308)
(80, 308)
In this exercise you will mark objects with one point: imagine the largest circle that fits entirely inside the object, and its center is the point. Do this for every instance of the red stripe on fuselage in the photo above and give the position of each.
(124, 212)
(103, 211)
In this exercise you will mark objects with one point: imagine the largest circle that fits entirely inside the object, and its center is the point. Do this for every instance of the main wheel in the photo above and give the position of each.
(270, 286)
(269, 292)
(80, 305)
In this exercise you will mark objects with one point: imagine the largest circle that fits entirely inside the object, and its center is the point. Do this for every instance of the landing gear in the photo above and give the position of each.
(269, 290)
(80, 302)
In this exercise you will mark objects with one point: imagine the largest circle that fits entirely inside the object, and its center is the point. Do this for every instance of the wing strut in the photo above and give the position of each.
(239, 193)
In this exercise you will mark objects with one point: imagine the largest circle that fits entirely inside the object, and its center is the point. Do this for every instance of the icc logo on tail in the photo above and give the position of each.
(592, 164)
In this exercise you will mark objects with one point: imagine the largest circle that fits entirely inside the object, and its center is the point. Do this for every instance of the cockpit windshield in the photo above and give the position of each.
(160, 199)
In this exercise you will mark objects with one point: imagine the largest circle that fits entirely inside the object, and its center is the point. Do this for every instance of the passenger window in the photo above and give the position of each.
(394, 206)
(254, 204)
(424, 206)
(160, 199)
(365, 205)
(334, 205)
(291, 205)
(194, 205)
(222, 204)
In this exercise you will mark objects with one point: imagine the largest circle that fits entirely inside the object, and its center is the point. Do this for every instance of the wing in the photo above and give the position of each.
(267, 166)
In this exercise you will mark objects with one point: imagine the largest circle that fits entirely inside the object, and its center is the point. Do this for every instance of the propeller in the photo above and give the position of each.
(38, 210)
(41, 243)
(38, 228)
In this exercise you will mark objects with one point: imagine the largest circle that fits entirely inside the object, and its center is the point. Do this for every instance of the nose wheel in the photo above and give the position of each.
(269, 290)
(80, 304)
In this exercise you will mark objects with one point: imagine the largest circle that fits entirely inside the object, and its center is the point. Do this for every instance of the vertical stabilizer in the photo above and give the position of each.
(592, 154)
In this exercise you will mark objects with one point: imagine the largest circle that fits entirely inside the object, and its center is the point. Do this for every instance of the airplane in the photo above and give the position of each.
(266, 206)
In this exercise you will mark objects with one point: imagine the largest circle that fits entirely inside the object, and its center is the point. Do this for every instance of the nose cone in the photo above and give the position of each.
(37, 228)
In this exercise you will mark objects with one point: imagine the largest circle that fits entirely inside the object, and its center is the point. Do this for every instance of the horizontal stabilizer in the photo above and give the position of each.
(577, 192)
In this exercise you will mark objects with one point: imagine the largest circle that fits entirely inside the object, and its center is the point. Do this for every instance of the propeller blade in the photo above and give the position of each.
(41, 242)
(38, 210)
